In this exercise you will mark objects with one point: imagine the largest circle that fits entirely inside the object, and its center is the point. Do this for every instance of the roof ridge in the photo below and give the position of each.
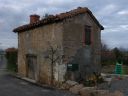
(57, 18)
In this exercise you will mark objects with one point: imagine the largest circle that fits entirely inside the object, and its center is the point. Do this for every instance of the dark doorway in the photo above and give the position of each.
(31, 66)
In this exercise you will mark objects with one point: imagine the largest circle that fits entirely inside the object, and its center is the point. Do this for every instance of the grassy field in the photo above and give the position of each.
(111, 69)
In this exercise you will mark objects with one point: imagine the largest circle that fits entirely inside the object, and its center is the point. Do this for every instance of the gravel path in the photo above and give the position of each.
(121, 85)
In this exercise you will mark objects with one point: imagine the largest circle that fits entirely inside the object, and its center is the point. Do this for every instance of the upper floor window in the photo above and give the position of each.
(87, 35)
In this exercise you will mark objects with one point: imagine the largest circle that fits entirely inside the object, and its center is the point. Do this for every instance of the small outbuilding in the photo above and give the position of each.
(59, 47)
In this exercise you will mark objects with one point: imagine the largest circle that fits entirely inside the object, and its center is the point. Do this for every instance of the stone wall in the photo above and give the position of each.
(37, 42)
(87, 57)
(67, 37)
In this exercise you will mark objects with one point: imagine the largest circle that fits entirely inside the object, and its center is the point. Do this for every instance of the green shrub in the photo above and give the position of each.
(12, 61)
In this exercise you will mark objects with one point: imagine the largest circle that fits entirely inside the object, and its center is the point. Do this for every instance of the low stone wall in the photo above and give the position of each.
(81, 90)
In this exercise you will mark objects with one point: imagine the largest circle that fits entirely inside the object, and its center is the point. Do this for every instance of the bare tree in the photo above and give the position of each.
(54, 54)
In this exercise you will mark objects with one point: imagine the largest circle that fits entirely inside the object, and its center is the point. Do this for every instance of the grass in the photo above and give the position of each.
(111, 68)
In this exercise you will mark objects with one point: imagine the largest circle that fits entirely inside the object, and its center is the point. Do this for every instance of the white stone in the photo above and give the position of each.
(71, 83)
(76, 89)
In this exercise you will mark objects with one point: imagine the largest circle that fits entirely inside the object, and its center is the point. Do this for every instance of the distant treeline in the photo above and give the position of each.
(111, 56)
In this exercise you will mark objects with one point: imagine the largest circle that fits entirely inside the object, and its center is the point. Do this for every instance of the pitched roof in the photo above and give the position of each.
(11, 50)
(58, 18)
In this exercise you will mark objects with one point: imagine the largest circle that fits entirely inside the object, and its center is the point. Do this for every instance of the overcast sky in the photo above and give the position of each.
(112, 14)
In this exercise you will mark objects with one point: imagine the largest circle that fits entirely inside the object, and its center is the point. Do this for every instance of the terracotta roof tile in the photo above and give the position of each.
(11, 50)
(57, 18)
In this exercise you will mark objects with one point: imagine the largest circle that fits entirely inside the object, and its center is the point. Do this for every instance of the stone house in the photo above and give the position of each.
(66, 43)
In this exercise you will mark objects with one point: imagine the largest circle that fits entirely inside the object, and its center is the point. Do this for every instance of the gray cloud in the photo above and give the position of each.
(112, 14)
(123, 12)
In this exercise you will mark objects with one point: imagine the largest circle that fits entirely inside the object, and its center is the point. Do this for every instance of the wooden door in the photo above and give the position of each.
(31, 66)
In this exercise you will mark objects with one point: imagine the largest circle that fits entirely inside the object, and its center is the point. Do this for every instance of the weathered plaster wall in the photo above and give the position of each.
(37, 42)
(87, 57)
(68, 36)
(60, 70)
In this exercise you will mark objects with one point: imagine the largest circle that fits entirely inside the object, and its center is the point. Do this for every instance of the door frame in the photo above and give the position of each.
(27, 67)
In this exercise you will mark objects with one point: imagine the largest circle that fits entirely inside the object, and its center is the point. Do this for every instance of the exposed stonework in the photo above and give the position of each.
(81, 90)
(86, 56)
(76, 89)
(31, 43)
(64, 33)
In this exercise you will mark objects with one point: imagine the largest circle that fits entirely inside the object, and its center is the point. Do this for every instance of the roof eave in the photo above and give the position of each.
(96, 21)
(57, 18)
(102, 28)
